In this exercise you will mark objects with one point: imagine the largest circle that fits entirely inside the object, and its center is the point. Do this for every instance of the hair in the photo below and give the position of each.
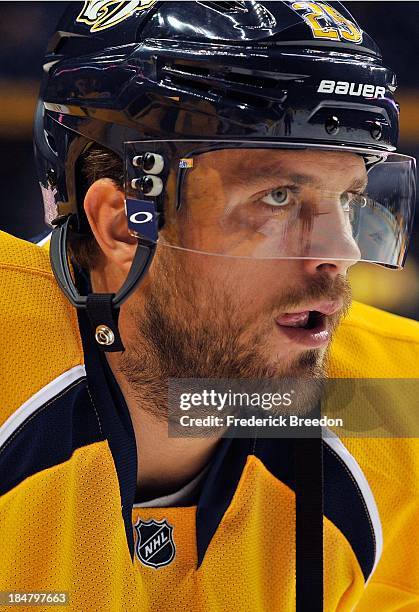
(95, 163)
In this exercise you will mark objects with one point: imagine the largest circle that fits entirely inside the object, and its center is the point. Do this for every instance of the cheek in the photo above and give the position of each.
(191, 283)
(250, 286)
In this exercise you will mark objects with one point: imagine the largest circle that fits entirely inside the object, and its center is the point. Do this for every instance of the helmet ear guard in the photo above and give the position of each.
(102, 308)
(142, 217)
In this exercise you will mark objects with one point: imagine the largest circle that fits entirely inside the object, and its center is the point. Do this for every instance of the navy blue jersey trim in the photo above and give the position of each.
(219, 487)
(50, 435)
(344, 503)
(115, 421)
(308, 468)
(345, 507)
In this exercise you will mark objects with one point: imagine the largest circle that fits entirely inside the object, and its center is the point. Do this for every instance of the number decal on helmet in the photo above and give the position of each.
(104, 14)
(335, 26)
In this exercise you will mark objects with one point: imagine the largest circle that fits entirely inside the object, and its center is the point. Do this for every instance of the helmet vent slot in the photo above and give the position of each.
(226, 7)
(73, 46)
(230, 77)
(236, 86)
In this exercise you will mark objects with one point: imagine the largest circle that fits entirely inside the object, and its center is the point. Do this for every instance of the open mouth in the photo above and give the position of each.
(309, 328)
(305, 320)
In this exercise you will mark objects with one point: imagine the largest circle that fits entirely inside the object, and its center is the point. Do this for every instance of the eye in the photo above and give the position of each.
(278, 197)
(350, 200)
(360, 200)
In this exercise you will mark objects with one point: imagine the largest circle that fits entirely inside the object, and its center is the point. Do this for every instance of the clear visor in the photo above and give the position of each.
(272, 201)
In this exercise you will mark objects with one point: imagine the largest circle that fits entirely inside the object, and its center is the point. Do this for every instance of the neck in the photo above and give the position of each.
(165, 464)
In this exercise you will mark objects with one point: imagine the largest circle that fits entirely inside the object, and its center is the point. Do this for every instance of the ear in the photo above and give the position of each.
(104, 206)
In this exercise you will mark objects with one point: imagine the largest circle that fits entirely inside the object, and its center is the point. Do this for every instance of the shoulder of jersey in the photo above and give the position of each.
(39, 340)
(372, 343)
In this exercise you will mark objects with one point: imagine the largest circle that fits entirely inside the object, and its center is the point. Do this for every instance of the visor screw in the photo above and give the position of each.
(332, 125)
(149, 162)
(104, 335)
(377, 130)
(152, 163)
(148, 185)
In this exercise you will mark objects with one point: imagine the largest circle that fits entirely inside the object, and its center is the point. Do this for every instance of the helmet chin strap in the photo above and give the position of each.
(102, 308)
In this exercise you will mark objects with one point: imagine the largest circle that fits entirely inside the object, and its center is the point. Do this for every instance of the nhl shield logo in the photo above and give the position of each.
(155, 545)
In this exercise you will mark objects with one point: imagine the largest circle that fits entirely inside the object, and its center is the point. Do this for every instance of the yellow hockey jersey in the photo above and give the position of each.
(68, 518)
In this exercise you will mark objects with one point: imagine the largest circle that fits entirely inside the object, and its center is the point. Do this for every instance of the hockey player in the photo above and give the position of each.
(211, 171)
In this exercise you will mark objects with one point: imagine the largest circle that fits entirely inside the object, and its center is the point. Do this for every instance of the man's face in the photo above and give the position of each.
(244, 314)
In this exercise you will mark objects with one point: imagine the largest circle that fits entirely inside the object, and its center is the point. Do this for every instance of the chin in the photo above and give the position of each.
(307, 363)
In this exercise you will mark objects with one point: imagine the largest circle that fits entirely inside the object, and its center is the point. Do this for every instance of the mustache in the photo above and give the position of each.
(322, 287)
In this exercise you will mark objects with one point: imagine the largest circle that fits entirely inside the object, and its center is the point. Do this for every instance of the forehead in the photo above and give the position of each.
(303, 166)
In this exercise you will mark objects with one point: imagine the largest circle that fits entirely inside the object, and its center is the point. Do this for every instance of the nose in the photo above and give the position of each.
(333, 248)
(332, 267)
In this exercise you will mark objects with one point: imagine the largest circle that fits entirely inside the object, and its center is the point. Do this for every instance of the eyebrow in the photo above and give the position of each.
(245, 174)
(359, 184)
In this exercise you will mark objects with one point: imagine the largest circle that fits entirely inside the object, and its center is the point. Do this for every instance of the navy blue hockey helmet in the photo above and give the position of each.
(171, 87)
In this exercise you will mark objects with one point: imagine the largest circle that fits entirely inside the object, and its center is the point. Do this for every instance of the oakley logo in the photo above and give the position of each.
(135, 218)
(104, 14)
(352, 89)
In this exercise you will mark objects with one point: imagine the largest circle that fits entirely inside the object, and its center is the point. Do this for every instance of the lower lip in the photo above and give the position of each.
(310, 338)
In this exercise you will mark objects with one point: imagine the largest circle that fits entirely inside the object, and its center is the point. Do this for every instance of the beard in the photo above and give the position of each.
(188, 327)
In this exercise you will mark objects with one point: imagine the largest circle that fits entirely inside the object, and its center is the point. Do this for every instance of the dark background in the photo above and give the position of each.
(25, 28)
